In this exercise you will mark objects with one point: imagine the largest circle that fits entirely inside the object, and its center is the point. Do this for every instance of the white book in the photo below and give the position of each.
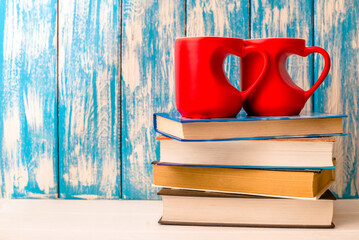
(294, 152)
(182, 207)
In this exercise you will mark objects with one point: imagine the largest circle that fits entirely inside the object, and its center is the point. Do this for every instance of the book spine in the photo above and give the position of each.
(155, 122)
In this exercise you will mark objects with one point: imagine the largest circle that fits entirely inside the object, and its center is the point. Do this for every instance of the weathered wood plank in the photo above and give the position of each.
(282, 18)
(149, 31)
(28, 113)
(337, 30)
(227, 18)
(88, 92)
(114, 220)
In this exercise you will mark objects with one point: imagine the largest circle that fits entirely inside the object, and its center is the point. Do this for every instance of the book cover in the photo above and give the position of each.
(219, 224)
(272, 168)
(244, 117)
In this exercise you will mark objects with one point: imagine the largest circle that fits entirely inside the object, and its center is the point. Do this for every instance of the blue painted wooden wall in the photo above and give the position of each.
(80, 80)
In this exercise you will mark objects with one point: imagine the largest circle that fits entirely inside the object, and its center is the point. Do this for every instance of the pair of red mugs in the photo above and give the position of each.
(203, 89)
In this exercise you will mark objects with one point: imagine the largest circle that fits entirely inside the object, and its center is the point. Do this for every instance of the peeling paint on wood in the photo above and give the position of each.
(222, 19)
(149, 31)
(88, 96)
(28, 113)
(337, 30)
(282, 18)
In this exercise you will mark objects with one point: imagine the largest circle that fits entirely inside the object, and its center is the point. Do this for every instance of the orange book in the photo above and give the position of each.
(297, 184)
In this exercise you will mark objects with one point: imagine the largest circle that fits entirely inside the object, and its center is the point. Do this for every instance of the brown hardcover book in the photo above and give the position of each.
(185, 207)
(300, 184)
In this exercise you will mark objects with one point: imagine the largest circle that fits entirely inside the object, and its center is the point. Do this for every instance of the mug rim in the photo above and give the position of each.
(274, 38)
(206, 37)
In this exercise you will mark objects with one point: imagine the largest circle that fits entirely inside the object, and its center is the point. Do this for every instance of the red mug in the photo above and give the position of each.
(277, 94)
(202, 87)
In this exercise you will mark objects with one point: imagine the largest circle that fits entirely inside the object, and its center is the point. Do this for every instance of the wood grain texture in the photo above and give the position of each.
(86, 127)
(149, 32)
(282, 18)
(88, 91)
(227, 18)
(28, 113)
(337, 31)
(137, 220)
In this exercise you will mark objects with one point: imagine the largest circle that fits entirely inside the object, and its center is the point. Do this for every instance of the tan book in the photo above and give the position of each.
(181, 207)
(298, 184)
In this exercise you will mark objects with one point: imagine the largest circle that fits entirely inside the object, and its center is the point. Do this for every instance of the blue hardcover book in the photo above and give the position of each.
(248, 127)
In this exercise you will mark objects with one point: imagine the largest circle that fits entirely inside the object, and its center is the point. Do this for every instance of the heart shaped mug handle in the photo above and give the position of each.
(255, 49)
(323, 75)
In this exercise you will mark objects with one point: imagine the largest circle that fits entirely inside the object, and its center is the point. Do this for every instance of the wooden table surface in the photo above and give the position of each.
(121, 219)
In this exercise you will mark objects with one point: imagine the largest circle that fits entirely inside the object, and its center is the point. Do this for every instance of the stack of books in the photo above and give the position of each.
(247, 171)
